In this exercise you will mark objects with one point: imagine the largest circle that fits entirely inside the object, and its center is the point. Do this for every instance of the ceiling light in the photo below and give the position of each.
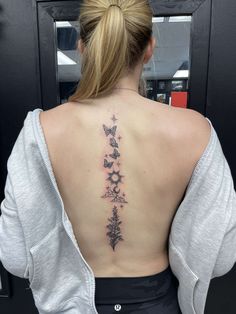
(182, 73)
(62, 59)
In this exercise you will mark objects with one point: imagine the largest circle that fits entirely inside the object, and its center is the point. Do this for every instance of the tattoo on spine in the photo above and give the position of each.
(113, 192)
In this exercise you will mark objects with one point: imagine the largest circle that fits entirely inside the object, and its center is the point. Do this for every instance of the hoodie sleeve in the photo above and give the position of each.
(12, 242)
(226, 257)
(204, 227)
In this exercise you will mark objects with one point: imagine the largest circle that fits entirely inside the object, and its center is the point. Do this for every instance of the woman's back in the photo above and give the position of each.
(158, 147)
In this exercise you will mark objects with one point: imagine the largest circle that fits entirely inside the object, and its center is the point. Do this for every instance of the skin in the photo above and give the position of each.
(158, 147)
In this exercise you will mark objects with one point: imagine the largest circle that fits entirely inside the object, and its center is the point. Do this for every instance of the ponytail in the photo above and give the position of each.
(114, 41)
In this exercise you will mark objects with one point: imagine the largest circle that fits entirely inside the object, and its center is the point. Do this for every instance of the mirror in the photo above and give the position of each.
(166, 75)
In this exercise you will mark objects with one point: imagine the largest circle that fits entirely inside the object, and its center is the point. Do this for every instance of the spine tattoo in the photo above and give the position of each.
(111, 163)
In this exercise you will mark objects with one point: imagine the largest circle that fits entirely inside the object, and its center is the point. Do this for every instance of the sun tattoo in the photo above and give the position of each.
(113, 191)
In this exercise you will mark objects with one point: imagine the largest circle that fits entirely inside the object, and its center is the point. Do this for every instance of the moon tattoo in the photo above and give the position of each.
(115, 189)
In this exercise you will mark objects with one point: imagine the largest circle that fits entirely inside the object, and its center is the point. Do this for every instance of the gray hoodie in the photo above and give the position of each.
(37, 240)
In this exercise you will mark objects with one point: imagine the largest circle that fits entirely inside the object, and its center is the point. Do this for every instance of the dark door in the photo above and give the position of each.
(193, 66)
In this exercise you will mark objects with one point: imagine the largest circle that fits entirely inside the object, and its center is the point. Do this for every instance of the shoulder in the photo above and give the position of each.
(53, 120)
(54, 112)
(194, 130)
(184, 123)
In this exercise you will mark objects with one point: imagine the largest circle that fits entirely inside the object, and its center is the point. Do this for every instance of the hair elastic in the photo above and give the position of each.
(115, 5)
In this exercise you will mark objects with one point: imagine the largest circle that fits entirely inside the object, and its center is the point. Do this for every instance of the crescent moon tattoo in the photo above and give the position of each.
(115, 189)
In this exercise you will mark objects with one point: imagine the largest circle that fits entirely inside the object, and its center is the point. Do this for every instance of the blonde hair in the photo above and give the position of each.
(115, 34)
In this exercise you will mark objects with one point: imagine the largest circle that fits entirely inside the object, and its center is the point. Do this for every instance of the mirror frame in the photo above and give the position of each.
(200, 10)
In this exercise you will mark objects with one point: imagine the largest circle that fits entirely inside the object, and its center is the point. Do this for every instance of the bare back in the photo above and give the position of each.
(122, 168)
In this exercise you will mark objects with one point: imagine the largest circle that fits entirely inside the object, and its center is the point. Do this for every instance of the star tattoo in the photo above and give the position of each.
(114, 118)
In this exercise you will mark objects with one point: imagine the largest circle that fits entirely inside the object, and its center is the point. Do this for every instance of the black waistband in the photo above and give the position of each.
(134, 289)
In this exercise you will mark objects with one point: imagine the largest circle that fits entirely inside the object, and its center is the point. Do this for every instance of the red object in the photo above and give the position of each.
(179, 99)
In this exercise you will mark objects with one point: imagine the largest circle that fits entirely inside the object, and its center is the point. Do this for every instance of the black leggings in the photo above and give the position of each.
(147, 295)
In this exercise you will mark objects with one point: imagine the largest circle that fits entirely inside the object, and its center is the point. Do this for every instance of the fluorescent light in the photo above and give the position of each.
(180, 18)
(157, 19)
(62, 59)
(182, 73)
(63, 24)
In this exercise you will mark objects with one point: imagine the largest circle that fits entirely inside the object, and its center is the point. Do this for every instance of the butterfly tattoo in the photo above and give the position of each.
(108, 164)
(113, 142)
(115, 154)
(108, 131)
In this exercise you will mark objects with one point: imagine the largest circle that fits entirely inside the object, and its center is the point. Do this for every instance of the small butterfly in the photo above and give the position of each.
(111, 131)
(108, 164)
(113, 142)
(115, 154)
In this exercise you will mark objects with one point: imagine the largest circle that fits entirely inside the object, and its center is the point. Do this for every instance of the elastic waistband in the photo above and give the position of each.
(134, 289)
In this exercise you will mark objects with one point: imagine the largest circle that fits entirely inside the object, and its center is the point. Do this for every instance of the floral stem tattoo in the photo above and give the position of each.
(113, 193)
